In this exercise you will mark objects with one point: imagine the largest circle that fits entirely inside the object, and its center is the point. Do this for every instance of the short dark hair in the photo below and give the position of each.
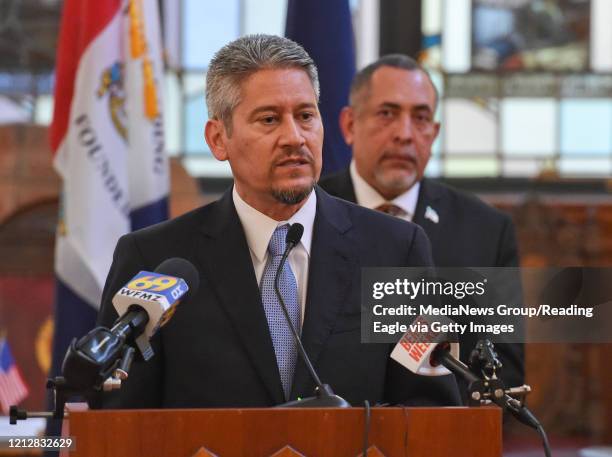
(364, 76)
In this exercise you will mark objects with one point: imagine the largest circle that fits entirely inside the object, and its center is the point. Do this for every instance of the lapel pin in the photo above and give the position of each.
(432, 215)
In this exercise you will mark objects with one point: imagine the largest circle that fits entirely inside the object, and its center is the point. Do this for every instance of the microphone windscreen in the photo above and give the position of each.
(294, 235)
(181, 268)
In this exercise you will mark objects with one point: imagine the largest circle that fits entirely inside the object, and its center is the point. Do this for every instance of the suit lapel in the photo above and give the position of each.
(225, 257)
(344, 186)
(428, 198)
(332, 267)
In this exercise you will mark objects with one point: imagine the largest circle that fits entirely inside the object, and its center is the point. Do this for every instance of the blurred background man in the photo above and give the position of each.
(390, 124)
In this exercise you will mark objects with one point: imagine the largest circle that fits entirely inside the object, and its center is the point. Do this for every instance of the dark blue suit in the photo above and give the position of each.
(217, 351)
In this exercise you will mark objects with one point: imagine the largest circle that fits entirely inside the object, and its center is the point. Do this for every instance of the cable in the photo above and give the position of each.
(296, 336)
(524, 415)
(544, 441)
(366, 427)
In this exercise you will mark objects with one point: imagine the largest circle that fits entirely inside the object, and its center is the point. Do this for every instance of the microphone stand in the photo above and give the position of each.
(82, 374)
(488, 388)
(324, 395)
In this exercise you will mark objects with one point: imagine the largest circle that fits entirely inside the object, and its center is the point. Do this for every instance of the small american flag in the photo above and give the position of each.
(12, 387)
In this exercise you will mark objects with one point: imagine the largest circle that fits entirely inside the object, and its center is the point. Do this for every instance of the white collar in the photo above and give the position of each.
(258, 228)
(369, 197)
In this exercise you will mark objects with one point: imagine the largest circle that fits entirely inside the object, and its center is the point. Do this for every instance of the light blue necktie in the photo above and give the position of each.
(282, 338)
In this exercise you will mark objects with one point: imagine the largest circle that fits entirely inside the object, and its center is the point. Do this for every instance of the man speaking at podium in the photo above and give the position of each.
(229, 345)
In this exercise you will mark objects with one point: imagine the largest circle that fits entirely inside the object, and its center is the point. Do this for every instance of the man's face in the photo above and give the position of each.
(276, 139)
(391, 129)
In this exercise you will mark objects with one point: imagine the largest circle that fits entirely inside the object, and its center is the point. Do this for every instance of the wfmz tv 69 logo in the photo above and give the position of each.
(148, 288)
(147, 284)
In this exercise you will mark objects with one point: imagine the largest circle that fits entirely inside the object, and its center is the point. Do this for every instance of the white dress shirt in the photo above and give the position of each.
(369, 197)
(259, 228)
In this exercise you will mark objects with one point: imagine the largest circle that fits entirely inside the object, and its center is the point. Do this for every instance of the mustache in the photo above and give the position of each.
(294, 154)
(402, 155)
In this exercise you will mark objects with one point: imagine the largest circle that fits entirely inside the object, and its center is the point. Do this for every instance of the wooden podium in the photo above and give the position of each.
(427, 432)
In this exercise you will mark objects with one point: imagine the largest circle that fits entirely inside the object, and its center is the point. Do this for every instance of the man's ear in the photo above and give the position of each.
(436, 129)
(216, 138)
(347, 117)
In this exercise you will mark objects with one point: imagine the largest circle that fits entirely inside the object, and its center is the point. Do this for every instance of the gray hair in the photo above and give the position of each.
(364, 76)
(238, 60)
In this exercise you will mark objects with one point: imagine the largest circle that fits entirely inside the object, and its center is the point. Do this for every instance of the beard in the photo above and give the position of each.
(293, 196)
(394, 182)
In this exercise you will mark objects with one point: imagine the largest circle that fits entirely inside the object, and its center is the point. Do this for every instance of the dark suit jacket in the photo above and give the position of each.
(217, 350)
(469, 233)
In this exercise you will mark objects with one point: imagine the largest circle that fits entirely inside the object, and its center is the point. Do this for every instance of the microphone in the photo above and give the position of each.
(439, 357)
(499, 396)
(149, 300)
(145, 304)
(325, 396)
(294, 235)
(418, 356)
(429, 353)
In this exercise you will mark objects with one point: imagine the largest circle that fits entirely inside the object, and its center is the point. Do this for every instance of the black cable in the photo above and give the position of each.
(544, 441)
(366, 427)
(406, 425)
(524, 415)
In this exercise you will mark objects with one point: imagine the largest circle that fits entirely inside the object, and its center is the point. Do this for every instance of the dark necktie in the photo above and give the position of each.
(391, 209)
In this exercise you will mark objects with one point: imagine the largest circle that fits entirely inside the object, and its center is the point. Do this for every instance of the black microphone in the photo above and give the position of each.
(94, 357)
(325, 396)
(144, 305)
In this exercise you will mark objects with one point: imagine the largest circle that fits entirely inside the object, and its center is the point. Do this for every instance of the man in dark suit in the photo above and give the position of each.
(227, 346)
(391, 127)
